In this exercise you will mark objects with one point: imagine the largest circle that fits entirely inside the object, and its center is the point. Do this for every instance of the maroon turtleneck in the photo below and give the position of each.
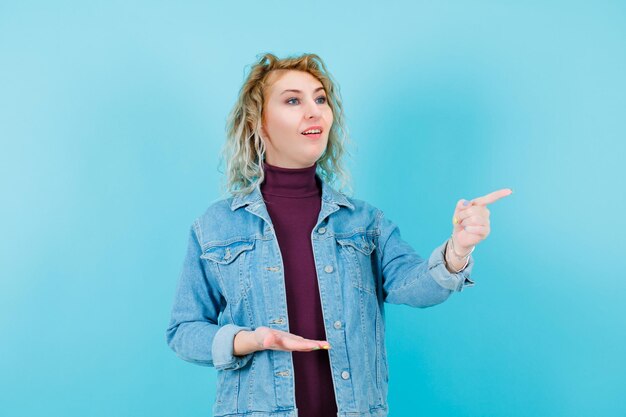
(293, 200)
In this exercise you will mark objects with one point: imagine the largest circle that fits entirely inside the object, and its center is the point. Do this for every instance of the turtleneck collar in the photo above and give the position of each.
(290, 182)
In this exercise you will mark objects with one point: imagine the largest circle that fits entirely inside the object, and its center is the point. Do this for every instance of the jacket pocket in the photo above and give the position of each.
(232, 258)
(357, 249)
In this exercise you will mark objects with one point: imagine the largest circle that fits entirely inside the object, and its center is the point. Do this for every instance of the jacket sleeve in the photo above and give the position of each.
(409, 279)
(193, 333)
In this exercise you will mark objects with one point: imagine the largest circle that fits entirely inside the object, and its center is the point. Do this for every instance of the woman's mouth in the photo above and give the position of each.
(314, 132)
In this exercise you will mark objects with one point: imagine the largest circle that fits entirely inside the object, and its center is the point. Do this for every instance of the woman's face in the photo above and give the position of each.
(295, 103)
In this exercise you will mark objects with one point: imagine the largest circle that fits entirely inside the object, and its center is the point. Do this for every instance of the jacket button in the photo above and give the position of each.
(345, 374)
(321, 230)
(337, 324)
(328, 268)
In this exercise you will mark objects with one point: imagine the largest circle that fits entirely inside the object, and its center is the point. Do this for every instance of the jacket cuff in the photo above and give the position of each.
(222, 349)
(449, 280)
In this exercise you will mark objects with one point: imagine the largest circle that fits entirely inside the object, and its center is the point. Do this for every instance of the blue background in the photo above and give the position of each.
(112, 118)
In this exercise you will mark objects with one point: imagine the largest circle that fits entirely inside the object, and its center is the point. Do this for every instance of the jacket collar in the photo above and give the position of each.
(329, 195)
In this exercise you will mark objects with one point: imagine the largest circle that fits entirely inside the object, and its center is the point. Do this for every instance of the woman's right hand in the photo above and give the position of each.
(267, 338)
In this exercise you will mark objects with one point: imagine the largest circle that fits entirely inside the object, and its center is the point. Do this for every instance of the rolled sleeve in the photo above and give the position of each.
(409, 279)
(222, 348)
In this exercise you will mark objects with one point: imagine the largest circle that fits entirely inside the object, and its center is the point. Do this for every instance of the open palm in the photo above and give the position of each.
(274, 339)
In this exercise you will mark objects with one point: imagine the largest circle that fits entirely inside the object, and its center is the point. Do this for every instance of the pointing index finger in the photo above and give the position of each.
(492, 197)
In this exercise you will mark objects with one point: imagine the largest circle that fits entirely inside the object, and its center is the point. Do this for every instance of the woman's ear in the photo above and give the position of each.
(263, 134)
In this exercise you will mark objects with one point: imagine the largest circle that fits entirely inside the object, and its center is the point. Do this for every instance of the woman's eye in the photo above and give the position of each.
(323, 98)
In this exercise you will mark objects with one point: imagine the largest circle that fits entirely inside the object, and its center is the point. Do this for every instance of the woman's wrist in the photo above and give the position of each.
(456, 262)
(245, 343)
(461, 252)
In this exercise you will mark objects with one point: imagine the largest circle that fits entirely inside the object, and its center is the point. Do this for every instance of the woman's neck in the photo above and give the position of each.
(290, 182)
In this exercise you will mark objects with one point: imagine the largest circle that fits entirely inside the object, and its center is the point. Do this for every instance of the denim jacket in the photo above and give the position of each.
(232, 280)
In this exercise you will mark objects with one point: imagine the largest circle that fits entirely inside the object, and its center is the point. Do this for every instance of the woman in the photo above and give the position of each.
(284, 282)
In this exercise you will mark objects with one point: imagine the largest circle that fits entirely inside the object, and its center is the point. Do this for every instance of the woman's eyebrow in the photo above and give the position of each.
(298, 91)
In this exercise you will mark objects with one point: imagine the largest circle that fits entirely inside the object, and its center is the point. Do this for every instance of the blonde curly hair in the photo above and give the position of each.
(244, 149)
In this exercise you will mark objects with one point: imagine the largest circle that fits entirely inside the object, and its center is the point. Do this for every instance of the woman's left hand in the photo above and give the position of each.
(471, 221)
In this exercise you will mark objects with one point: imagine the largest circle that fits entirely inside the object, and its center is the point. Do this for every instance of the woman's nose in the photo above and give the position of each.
(313, 110)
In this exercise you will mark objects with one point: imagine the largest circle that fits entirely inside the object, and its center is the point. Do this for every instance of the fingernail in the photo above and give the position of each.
(326, 347)
(316, 348)
(465, 202)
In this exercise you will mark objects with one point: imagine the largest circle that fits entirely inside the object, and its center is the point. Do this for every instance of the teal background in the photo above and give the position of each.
(112, 117)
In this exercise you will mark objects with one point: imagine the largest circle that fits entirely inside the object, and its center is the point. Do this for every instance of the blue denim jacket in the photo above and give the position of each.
(232, 280)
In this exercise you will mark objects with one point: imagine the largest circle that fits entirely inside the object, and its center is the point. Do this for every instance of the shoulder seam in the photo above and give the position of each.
(198, 231)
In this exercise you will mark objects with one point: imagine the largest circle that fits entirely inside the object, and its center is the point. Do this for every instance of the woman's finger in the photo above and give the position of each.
(460, 211)
(298, 344)
(460, 208)
(481, 211)
(475, 221)
(478, 230)
(286, 342)
(492, 197)
(463, 204)
(459, 216)
(290, 342)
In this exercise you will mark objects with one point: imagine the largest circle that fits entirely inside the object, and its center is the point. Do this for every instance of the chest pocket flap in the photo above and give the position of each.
(226, 252)
(357, 250)
(362, 242)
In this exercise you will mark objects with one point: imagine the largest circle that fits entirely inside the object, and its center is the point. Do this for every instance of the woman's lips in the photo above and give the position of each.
(312, 135)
